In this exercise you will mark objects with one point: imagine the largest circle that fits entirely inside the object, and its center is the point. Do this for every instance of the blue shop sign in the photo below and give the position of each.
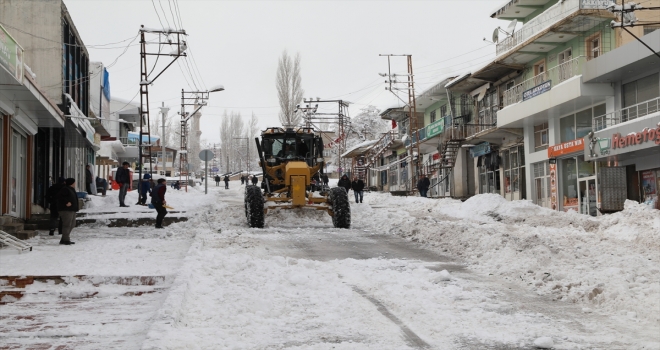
(537, 90)
(480, 149)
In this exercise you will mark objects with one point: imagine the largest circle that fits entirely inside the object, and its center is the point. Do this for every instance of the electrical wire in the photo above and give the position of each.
(157, 14)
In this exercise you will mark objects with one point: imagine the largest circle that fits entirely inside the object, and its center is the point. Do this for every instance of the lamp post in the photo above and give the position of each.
(199, 100)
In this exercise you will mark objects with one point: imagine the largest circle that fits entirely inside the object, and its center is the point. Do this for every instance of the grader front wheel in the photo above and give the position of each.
(341, 210)
(254, 206)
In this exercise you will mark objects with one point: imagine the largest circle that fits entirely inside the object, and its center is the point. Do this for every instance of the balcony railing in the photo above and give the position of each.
(626, 114)
(549, 17)
(556, 74)
(126, 142)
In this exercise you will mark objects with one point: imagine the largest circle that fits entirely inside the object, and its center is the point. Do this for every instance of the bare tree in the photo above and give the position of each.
(289, 89)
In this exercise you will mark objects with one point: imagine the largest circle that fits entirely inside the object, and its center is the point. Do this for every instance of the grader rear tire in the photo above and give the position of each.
(341, 217)
(254, 206)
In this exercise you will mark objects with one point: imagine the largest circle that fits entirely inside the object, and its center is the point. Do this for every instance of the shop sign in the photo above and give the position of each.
(480, 149)
(595, 4)
(566, 148)
(636, 138)
(537, 90)
(435, 128)
(11, 55)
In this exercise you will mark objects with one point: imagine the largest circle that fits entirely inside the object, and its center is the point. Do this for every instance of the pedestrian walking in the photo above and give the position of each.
(176, 185)
(158, 201)
(67, 206)
(226, 182)
(325, 180)
(255, 180)
(145, 187)
(344, 182)
(242, 179)
(423, 185)
(123, 179)
(51, 197)
(89, 179)
(358, 189)
(217, 180)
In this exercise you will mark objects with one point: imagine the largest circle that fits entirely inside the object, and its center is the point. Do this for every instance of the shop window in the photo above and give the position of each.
(540, 137)
(513, 165)
(433, 115)
(541, 174)
(569, 184)
(489, 173)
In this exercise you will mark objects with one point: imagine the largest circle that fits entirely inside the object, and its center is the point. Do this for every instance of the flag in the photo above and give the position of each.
(393, 123)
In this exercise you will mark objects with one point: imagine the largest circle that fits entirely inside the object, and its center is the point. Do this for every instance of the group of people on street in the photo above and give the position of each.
(357, 185)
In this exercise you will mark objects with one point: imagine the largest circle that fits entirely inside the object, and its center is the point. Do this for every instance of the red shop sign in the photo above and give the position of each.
(566, 148)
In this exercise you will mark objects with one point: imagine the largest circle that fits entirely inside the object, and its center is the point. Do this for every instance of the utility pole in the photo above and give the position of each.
(171, 37)
(163, 111)
(413, 127)
(628, 18)
(314, 119)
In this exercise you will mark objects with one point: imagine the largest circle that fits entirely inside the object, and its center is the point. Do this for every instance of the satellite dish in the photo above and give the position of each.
(511, 27)
(496, 34)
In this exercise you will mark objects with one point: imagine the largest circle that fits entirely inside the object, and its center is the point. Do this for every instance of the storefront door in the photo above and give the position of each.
(587, 198)
(18, 170)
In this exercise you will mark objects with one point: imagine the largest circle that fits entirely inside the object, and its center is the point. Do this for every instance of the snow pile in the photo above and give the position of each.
(609, 263)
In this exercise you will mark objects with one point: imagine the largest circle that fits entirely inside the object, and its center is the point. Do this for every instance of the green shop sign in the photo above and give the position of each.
(435, 128)
(11, 55)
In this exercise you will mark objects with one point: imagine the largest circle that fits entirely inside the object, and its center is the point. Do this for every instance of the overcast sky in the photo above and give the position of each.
(238, 43)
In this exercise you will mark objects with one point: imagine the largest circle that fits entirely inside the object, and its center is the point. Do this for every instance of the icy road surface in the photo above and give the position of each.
(411, 273)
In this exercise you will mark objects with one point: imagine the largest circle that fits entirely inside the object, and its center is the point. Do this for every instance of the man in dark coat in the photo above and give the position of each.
(51, 197)
(123, 179)
(344, 182)
(158, 200)
(89, 179)
(67, 206)
(423, 185)
(242, 179)
(358, 189)
(217, 180)
(226, 182)
(255, 180)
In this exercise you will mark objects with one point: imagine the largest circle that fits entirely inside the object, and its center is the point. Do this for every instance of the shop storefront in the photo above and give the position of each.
(627, 153)
(573, 181)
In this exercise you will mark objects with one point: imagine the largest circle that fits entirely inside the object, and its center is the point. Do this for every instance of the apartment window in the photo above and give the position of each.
(433, 116)
(540, 137)
(578, 125)
(641, 90)
(539, 68)
(565, 56)
(593, 45)
(650, 29)
(510, 84)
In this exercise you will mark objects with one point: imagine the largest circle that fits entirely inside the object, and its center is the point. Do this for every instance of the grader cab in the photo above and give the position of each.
(292, 164)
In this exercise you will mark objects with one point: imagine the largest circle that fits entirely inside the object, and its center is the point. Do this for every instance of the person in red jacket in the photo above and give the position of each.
(158, 201)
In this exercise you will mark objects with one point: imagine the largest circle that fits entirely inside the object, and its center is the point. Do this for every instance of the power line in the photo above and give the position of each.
(157, 14)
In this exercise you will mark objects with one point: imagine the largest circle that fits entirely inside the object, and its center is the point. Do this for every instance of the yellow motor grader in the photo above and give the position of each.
(292, 164)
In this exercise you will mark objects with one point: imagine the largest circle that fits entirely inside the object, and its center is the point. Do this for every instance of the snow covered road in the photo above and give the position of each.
(411, 273)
